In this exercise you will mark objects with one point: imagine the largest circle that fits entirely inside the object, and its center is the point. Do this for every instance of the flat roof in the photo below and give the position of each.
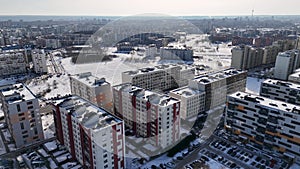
(187, 92)
(153, 97)
(282, 83)
(275, 104)
(16, 93)
(216, 76)
(90, 80)
(88, 114)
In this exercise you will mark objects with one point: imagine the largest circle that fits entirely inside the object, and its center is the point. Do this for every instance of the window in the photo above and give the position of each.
(22, 126)
(18, 108)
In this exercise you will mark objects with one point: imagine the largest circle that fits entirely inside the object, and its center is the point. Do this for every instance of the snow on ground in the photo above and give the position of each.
(295, 166)
(253, 85)
(215, 165)
(50, 146)
(48, 122)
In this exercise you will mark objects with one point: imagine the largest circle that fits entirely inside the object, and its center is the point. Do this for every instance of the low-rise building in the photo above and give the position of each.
(176, 53)
(12, 63)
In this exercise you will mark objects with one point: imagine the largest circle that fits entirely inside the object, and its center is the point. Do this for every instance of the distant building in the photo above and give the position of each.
(151, 51)
(286, 63)
(39, 61)
(246, 57)
(270, 124)
(12, 63)
(148, 114)
(94, 89)
(22, 112)
(124, 47)
(192, 102)
(270, 54)
(281, 90)
(161, 77)
(93, 136)
(176, 53)
(217, 85)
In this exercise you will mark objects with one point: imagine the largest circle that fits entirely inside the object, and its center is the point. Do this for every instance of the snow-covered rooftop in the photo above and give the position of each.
(282, 83)
(89, 80)
(153, 97)
(187, 92)
(273, 104)
(16, 93)
(89, 115)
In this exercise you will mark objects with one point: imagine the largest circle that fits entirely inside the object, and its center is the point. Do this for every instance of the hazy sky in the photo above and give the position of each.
(131, 7)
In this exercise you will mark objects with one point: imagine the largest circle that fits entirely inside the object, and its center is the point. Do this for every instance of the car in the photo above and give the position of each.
(179, 158)
(246, 160)
(232, 165)
(253, 163)
(220, 158)
(204, 158)
(223, 149)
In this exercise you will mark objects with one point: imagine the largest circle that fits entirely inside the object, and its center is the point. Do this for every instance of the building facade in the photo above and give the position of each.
(92, 135)
(286, 63)
(270, 124)
(39, 62)
(12, 63)
(94, 89)
(192, 102)
(246, 57)
(22, 112)
(148, 114)
(176, 53)
(218, 84)
(281, 90)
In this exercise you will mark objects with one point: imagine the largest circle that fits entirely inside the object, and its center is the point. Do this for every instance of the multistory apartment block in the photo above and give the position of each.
(12, 63)
(295, 77)
(92, 135)
(246, 57)
(161, 78)
(39, 61)
(217, 85)
(148, 114)
(22, 112)
(271, 124)
(286, 63)
(281, 90)
(176, 53)
(192, 102)
(92, 88)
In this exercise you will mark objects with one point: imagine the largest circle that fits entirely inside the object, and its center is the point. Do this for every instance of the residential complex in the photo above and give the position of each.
(148, 114)
(12, 63)
(92, 88)
(192, 102)
(22, 112)
(246, 57)
(39, 61)
(92, 135)
(286, 63)
(281, 90)
(272, 124)
(176, 53)
(295, 77)
(161, 77)
(217, 85)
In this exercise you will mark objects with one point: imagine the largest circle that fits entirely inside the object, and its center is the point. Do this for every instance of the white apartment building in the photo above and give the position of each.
(281, 90)
(92, 135)
(39, 61)
(22, 112)
(12, 63)
(151, 51)
(148, 114)
(286, 63)
(161, 77)
(271, 124)
(295, 77)
(218, 84)
(192, 102)
(92, 88)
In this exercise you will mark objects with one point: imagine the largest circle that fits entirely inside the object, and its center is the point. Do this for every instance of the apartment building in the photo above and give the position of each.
(217, 85)
(286, 63)
(176, 53)
(92, 88)
(281, 90)
(295, 77)
(246, 57)
(39, 61)
(91, 134)
(269, 54)
(148, 114)
(22, 112)
(192, 102)
(12, 63)
(271, 124)
(161, 77)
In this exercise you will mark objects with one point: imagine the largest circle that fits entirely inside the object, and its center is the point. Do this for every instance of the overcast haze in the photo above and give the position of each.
(131, 7)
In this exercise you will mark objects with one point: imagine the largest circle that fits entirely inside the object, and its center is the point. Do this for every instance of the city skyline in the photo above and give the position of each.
(133, 7)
